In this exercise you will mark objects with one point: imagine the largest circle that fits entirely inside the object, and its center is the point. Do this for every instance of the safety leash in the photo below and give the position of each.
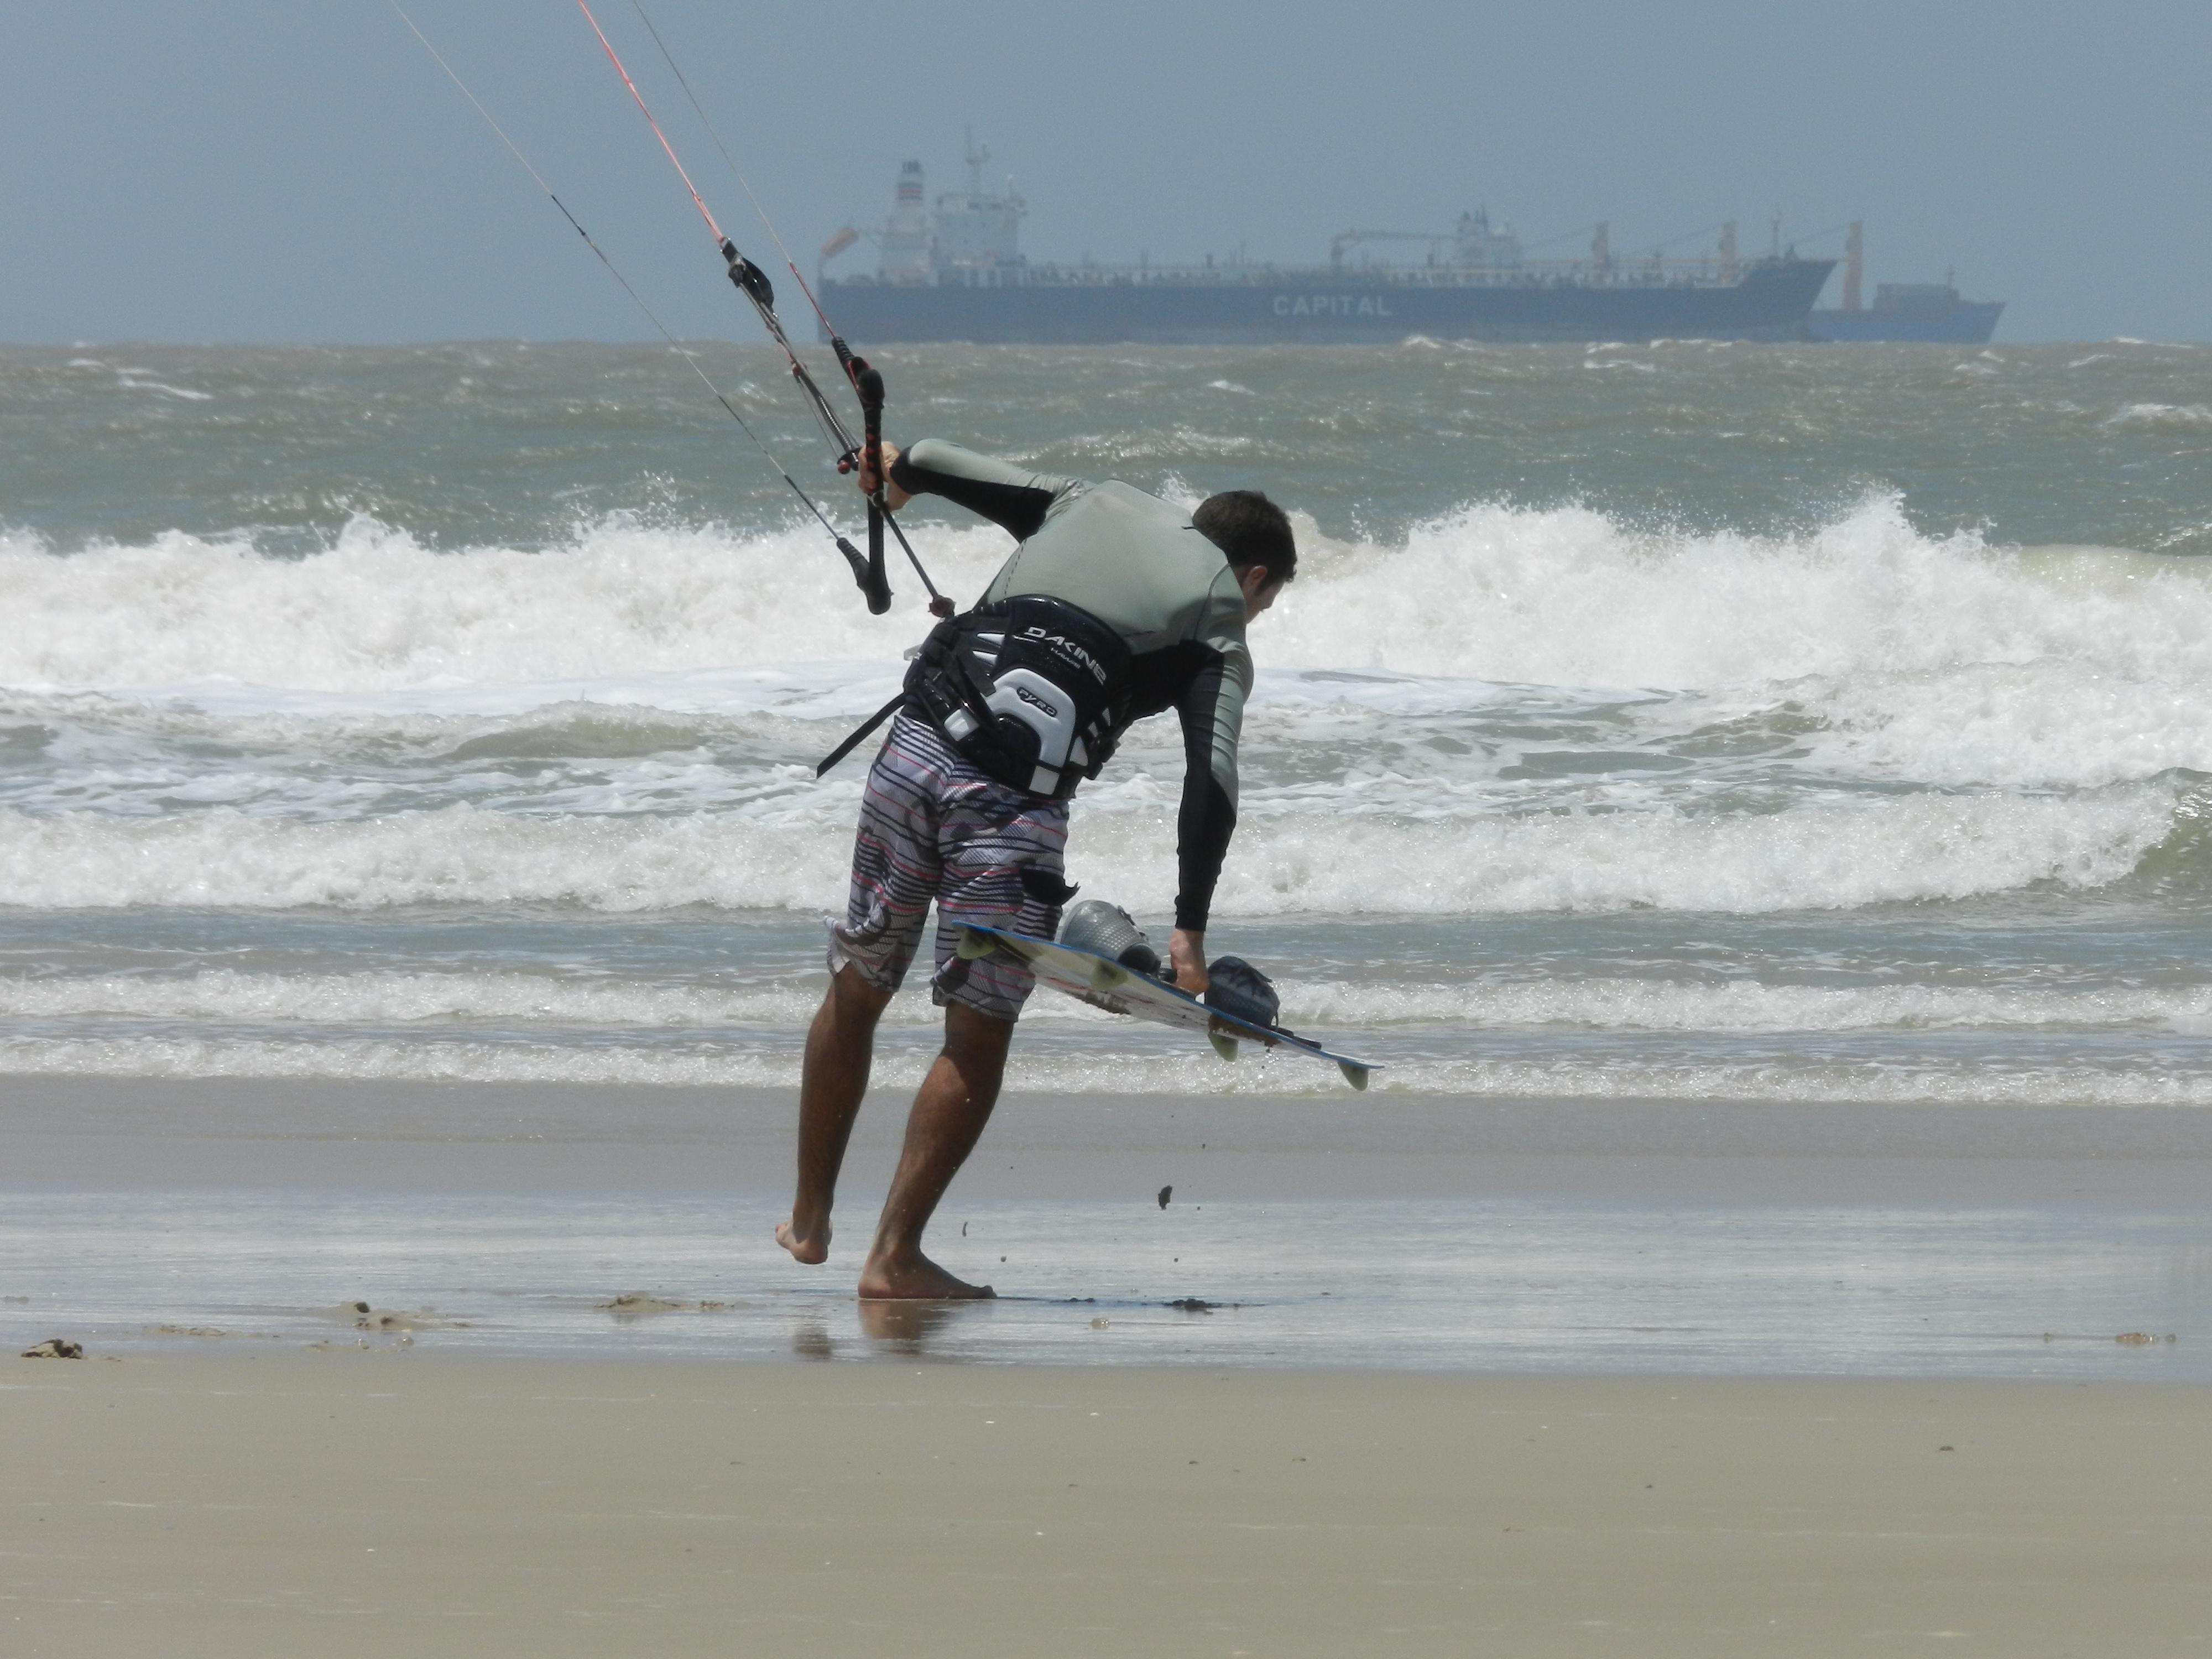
(861, 734)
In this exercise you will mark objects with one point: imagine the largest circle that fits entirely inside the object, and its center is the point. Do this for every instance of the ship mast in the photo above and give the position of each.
(975, 159)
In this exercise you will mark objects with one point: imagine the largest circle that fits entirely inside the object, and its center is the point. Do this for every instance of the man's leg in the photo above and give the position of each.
(840, 1048)
(894, 876)
(950, 1111)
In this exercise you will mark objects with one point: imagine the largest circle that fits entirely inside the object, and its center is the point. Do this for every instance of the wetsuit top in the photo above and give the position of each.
(1139, 566)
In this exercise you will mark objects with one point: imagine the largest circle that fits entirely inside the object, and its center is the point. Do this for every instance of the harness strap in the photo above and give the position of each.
(860, 736)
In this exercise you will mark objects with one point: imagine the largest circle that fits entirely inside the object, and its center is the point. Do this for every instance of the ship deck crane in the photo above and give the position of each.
(1343, 239)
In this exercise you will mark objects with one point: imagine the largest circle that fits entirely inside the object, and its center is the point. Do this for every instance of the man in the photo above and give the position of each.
(1115, 606)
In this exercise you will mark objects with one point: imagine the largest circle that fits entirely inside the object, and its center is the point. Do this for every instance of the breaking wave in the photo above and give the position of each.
(2166, 417)
(383, 724)
(1557, 597)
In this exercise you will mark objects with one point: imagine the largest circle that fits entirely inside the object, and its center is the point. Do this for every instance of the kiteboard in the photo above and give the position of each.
(1105, 983)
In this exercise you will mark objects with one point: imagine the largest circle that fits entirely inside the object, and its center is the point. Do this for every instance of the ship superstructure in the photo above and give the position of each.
(956, 273)
(1903, 311)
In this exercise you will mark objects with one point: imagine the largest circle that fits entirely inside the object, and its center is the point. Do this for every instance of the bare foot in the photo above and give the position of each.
(915, 1278)
(811, 1247)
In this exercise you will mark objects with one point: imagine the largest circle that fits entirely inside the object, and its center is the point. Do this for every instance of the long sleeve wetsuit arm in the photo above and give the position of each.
(1212, 709)
(1011, 497)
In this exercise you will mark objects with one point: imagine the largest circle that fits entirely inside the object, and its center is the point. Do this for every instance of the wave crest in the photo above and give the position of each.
(1560, 596)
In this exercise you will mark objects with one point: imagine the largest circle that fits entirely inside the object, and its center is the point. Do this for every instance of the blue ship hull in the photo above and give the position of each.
(1971, 322)
(1773, 300)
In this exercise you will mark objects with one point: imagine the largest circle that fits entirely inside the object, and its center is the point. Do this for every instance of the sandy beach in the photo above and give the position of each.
(240, 1469)
(382, 1503)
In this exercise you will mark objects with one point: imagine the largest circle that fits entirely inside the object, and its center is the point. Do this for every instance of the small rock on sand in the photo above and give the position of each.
(56, 1347)
(1166, 1192)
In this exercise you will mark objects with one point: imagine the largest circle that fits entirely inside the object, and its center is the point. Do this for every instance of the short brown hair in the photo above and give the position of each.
(1249, 529)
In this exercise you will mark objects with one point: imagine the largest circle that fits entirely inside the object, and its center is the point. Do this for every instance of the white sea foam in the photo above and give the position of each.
(1356, 745)
(382, 687)
(1739, 1007)
(457, 854)
(2165, 417)
(1561, 597)
(451, 1002)
(244, 716)
(377, 610)
(1840, 855)
(784, 855)
(433, 1002)
(187, 393)
(1040, 1070)
(2054, 723)
(1568, 597)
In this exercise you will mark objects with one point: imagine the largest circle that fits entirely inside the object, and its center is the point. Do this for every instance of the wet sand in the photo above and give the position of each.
(1393, 1231)
(112, 1134)
(386, 1503)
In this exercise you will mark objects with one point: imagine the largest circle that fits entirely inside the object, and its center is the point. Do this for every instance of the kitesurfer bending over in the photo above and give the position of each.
(1115, 606)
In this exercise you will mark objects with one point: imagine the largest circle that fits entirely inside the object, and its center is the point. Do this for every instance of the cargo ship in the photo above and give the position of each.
(956, 273)
(1930, 311)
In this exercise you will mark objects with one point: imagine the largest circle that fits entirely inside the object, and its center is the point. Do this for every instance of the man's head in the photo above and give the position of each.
(1255, 537)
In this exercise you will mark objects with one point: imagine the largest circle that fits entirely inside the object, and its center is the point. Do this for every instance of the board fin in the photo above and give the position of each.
(1108, 976)
(974, 947)
(1355, 1075)
(1223, 1044)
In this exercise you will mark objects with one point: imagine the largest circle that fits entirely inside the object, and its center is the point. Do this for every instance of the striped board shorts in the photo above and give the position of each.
(935, 826)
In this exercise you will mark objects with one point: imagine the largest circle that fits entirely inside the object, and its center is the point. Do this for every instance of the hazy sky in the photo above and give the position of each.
(300, 170)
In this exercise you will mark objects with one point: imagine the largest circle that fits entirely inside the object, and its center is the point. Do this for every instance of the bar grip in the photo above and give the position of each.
(870, 385)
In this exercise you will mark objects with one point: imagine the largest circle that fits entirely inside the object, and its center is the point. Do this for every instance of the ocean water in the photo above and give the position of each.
(1688, 721)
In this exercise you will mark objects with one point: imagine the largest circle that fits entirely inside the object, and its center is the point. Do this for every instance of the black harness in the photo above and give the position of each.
(1031, 689)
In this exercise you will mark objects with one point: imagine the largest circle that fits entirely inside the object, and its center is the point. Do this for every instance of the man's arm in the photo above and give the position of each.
(1010, 496)
(1212, 710)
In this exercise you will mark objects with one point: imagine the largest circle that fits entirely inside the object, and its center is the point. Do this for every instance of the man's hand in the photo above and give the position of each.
(894, 497)
(1186, 961)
